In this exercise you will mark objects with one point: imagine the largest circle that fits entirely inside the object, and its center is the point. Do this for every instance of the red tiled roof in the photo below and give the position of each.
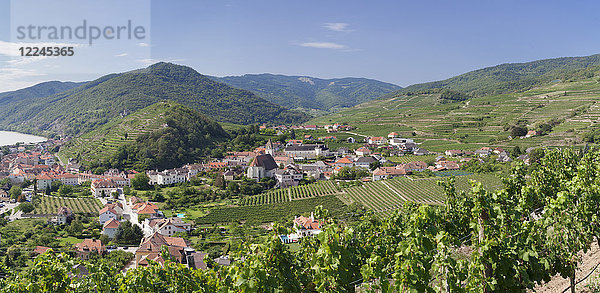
(90, 244)
(112, 224)
(41, 249)
(107, 209)
(343, 160)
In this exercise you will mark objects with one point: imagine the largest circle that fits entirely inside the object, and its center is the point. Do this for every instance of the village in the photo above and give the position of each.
(40, 173)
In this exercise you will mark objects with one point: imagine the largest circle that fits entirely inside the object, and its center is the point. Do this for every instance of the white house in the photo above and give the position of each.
(288, 177)
(106, 214)
(377, 140)
(69, 179)
(168, 227)
(170, 176)
(309, 151)
(364, 162)
(63, 215)
(399, 141)
(104, 187)
(110, 228)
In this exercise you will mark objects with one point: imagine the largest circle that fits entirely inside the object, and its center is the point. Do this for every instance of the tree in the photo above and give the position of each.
(219, 181)
(374, 165)
(55, 185)
(140, 181)
(15, 191)
(65, 190)
(517, 131)
(26, 207)
(128, 233)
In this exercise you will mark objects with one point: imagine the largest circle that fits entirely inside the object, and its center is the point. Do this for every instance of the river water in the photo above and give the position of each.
(10, 138)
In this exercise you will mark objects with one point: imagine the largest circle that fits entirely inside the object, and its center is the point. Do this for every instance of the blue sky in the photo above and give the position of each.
(402, 42)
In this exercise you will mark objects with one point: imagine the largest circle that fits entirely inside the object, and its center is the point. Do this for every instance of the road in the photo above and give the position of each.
(9, 209)
(131, 216)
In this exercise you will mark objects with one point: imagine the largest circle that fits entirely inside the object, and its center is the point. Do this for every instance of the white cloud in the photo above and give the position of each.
(324, 45)
(337, 26)
(143, 44)
(121, 55)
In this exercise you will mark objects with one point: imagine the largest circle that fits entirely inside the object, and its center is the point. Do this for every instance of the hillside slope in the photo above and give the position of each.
(98, 102)
(566, 111)
(301, 92)
(39, 90)
(163, 135)
(509, 77)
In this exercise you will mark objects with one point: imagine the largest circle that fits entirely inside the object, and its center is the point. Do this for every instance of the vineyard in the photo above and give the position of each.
(282, 211)
(388, 195)
(293, 193)
(50, 205)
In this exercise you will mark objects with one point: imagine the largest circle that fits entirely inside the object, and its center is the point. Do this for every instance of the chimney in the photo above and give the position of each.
(312, 218)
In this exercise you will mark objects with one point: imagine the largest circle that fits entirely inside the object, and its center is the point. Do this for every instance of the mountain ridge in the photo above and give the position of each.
(305, 92)
(507, 77)
(97, 102)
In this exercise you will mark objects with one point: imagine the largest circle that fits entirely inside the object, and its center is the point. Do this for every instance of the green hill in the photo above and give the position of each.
(40, 90)
(301, 92)
(98, 102)
(566, 111)
(509, 77)
(163, 135)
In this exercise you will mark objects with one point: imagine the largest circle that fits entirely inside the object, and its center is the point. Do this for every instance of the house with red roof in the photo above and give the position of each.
(110, 228)
(41, 249)
(383, 173)
(344, 162)
(307, 226)
(146, 208)
(378, 140)
(152, 246)
(362, 151)
(106, 214)
(104, 187)
(88, 246)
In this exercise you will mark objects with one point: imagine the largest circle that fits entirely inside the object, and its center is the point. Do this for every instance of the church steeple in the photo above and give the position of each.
(269, 148)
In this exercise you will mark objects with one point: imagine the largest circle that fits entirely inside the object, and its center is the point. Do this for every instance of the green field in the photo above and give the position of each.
(480, 121)
(283, 211)
(50, 205)
(292, 193)
(387, 195)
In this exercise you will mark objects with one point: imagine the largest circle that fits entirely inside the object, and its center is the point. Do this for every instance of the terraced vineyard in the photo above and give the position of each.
(387, 195)
(50, 205)
(322, 188)
(107, 139)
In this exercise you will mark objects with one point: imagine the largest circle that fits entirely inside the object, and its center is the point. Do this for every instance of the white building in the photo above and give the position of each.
(169, 176)
(288, 177)
(104, 187)
(110, 228)
(262, 166)
(168, 227)
(106, 214)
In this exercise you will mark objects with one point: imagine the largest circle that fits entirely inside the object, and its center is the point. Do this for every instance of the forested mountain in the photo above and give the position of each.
(163, 135)
(509, 77)
(308, 92)
(95, 103)
(39, 90)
